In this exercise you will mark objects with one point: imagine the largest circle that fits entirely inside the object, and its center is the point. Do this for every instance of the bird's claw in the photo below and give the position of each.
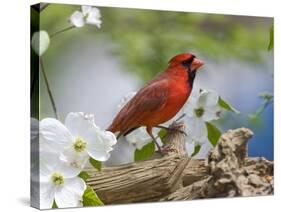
(165, 150)
(174, 129)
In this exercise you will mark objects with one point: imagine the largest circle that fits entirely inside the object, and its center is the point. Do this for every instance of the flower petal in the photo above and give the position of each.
(195, 129)
(79, 125)
(202, 140)
(212, 113)
(122, 153)
(86, 9)
(45, 146)
(74, 160)
(93, 17)
(48, 164)
(70, 193)
(191, 104)
(77, 19)
(67, 170)
(109, 138)
(208, 99)
(98, 142)
(101, 144)
(55, 134)
(47, 195)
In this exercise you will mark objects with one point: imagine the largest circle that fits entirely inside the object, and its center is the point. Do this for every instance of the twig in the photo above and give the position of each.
(48, 88)
(62, 30)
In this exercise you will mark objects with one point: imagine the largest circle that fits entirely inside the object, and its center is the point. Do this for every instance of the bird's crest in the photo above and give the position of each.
(180, 58)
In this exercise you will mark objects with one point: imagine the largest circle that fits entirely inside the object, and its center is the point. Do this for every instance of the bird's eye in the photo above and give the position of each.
(187, 63)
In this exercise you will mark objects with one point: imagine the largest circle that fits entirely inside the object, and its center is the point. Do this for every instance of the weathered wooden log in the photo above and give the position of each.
(226, 172)
(229, 172)
(146, 180)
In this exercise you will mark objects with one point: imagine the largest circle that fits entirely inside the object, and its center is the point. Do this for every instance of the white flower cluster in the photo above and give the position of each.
(40, 41)
(87, 15)
(65, 150)
(200, 108)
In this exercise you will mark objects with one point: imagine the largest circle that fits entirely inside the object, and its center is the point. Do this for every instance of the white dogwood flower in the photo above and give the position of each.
(58, 182)
(77, 140)
(200, 108)
(87, 15)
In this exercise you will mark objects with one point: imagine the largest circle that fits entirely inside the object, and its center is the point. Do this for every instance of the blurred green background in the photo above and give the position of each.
(91, 69)
(148, 38)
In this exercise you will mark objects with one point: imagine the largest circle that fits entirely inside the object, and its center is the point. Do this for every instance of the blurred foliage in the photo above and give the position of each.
(271, 39)
(146, 39)
(34, 64)
(267, 99)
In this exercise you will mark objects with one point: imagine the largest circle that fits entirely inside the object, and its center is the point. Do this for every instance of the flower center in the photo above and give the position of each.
(79, 144)
(199, 112)
(57, 178)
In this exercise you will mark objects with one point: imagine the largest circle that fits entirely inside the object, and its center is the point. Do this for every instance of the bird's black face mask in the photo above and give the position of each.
(191, 73)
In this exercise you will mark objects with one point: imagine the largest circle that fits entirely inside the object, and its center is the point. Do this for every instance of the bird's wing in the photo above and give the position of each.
(149, 99)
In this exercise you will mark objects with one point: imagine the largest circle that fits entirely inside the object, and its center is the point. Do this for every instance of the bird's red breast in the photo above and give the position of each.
(160, 99)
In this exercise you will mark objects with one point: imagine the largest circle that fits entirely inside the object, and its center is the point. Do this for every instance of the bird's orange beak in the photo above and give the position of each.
(196, 64)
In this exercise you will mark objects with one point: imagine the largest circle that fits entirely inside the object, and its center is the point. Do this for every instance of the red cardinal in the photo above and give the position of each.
(160, 99)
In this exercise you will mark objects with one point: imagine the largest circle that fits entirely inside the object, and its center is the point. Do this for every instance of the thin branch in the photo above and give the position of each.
(48, 88)
(62, 30)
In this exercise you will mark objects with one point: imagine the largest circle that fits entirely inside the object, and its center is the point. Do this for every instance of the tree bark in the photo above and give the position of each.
(227, 172)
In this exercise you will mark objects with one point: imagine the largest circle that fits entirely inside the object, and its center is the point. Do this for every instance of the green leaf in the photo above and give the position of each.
(255, 119)
(90, 198)
(222, 103)
(95, 163)
(54, 204)
(84, 175)
(196, 150)
(162, 134)
(267, 96)
(271, 39)
(144, 153)
(213, 133)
